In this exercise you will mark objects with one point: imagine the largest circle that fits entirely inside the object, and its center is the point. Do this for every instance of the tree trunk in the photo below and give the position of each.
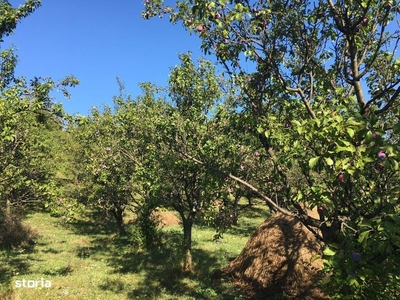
(187, 245)
(8, 208)
(118, 215)
(236, 206)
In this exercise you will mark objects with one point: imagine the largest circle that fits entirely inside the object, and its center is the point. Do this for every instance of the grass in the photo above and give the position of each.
(87, 260)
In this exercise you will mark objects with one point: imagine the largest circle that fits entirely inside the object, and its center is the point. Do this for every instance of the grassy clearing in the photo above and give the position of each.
(88, 261)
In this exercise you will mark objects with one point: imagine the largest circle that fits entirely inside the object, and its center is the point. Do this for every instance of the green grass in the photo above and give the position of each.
(87, 260)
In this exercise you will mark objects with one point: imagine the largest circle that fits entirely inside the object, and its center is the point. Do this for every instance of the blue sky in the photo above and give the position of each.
(96, 41)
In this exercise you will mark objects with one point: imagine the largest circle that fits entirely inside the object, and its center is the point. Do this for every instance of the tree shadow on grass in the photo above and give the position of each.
(94, 223)
(164, 275)
(160, 270)
(6, 272)
(244, 231)
(11, 264)
(17, 240)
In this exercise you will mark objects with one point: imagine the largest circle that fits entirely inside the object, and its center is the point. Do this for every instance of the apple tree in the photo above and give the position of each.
(203, 149)
(142, 147)
(321, 80)
(105, 177)
(117, 158)
(163, 132)
(193, 92)
(28, 122)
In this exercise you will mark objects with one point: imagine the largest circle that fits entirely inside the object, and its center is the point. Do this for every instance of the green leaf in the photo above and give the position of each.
(349, 148)
(369, 137)
(299, 196)
(353, 281)
(328, 251)
(329, 161)
(396, 128)
(395, 218)
(350, 171)
(363, 236)
(350, 132)
(395, 164)
(373, 119)
(390, 227)
(312, 162)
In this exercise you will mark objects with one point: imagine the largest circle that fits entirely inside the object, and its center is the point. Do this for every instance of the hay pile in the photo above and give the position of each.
(167, 218)
(277, 260)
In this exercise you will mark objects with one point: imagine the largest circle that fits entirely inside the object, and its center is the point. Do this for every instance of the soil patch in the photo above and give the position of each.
(279, 259)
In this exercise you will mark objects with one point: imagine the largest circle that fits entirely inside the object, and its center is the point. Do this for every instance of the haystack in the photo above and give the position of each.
(162, 219)
(279, 259)
(167, 218)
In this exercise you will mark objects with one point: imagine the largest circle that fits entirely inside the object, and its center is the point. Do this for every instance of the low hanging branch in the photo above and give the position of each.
(327, 231)
(245, 183)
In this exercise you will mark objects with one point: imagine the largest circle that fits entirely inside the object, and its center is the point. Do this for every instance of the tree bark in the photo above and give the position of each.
(187, 245)
(118, 215)
(8, 208)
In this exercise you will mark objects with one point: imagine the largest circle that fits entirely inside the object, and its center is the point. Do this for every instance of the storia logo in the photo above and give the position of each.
(31, 284)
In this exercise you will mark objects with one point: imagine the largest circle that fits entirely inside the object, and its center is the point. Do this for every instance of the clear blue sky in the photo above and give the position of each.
(96, 41)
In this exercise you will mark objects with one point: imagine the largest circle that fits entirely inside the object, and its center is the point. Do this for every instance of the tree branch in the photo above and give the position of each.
(245, 183)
